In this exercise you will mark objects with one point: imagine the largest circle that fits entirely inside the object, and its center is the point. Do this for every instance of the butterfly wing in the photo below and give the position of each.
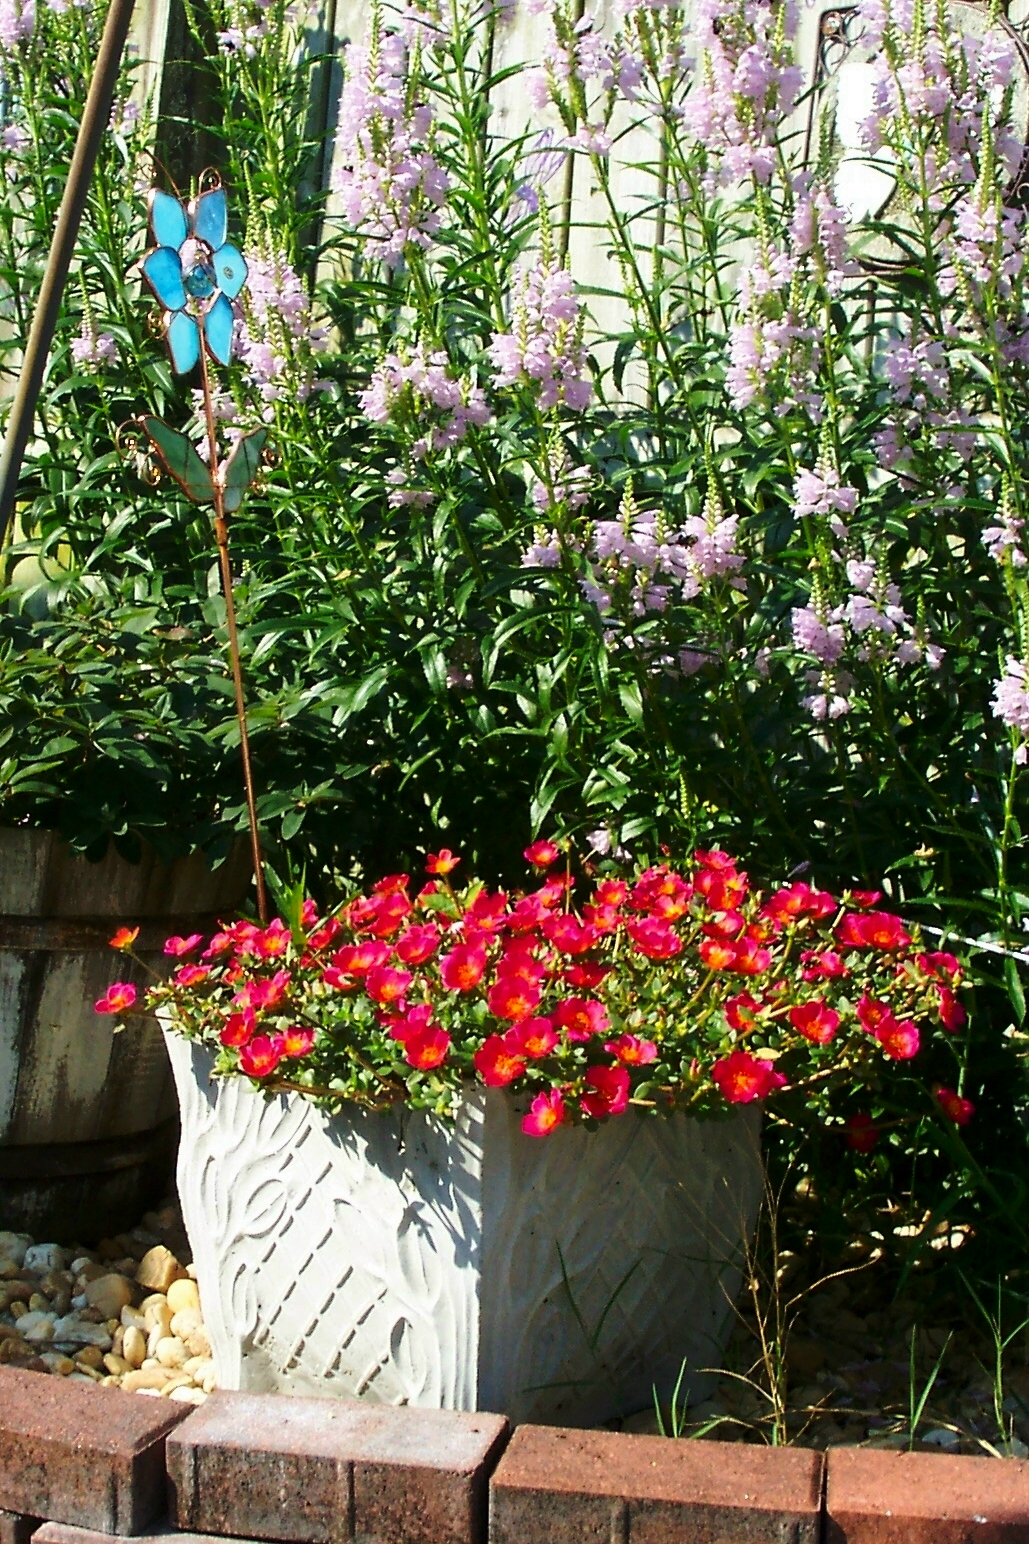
(180, 460)
(241, 467)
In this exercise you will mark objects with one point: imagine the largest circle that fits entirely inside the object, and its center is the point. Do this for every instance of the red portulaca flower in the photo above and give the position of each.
(899, 1038)
(581, 1017)
(864, 899)
(951, 1011)
(191, 975)
(263, 994)
(124, 938)
(442, 862)
(861, 1132)
(418, 944)
(816, 1021)
(359, 959)
(462, 969)
(297, 1041)
(269, 944)
(497, 1062)
(532, 1037)
(542, 854)
(959, 1110)
(262, 1055)
(119, 996)
(796, 901)
(872, 930)
(742, 1078)
(546, 1112)
(385, 985)
(585, 973)
(410, 1023)
(741, 1012)
(655, 939)
(631, 1050)
(610, 1092)
(940, 965)
(611, 892)
(528, 914)
(239, 1028)
(323, 936)
(177, 947)
(427, 1048)
(871, 1012)
(823, 965)
(513, 997)
(568, 935)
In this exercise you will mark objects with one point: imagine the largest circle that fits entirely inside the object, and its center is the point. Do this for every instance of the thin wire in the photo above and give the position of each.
(221, 532)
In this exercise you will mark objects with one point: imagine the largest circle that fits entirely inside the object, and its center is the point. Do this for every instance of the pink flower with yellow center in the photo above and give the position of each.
(497, 1062)
(191, 975)
(957, 1109)
(532, 1037)
(427, 1048)
(952, 1013)
(513, 997)
(568, 935)
(899, 1039)
(386, 985)
(609, 1093)
(655, 939)
(581, 1017)
(631, 1050)
(177, 947)
(816, 1021)
(119, 996)
(462, 969)
(741, 1078)
(124, 938)
(297, 1041)
(418, 944)
(542, 854)
(261, 1056)
(359, 959)
(546, 1112)
(238, 1028)
(442, 862)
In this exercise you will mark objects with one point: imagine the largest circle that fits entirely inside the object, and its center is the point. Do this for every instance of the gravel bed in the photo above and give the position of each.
(848, 1367)
(126, 1314)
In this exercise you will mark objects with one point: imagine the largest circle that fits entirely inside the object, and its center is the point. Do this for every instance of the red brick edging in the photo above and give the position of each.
(91, 1462)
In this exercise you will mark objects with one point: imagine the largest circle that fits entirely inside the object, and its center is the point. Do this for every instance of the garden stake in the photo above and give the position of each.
(221, 536)
(95, 117)
(196, 273)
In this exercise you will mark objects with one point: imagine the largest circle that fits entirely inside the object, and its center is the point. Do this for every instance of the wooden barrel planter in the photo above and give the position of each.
(88, 1121)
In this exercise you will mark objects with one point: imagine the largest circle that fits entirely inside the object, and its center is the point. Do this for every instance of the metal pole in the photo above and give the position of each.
(95, 117)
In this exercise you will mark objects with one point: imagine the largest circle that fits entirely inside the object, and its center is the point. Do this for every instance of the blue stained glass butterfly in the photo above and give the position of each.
(194, 271)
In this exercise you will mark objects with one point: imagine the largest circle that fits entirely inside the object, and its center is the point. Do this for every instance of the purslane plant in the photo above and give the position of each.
(657, 993)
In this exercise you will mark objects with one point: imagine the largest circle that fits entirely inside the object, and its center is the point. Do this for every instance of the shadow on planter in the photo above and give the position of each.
(87, 1116)
(463, 1267)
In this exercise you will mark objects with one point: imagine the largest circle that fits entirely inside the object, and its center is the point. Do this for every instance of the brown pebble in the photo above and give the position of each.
(158, 1269)
(90, 1356)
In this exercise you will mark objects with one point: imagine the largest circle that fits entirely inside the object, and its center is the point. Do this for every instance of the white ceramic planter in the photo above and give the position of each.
(406, 1261)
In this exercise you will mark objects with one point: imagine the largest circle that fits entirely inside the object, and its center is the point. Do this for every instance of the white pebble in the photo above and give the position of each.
(80, 1332)
(184, 1395)
(37, 1327)
(45, 1257)
(171, 1352)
